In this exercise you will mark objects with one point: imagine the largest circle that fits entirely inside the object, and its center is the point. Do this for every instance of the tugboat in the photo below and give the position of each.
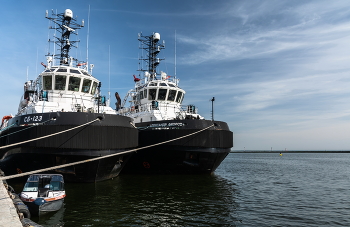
(63, 118)
(43, 193)
(158, 113)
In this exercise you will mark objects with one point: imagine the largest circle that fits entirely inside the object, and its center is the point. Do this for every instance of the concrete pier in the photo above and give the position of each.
(8, 212)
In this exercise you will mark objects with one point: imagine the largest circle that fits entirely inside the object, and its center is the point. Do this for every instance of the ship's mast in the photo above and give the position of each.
(66, 25)
(152, 47)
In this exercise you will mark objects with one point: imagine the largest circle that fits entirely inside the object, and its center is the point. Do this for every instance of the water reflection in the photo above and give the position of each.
(165, 200)
(155, 200)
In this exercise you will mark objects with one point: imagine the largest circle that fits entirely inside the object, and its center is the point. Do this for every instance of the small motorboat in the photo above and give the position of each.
(43, 193)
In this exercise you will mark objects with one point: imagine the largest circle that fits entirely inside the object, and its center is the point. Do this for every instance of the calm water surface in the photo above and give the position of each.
(297, 189)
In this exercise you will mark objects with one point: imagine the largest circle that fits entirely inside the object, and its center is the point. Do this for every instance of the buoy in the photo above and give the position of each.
(7, 117)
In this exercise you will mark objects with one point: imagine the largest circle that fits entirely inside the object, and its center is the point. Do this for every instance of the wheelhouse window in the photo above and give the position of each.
(74, 83)
(179, 97)
(152, 94)
(47, 82)
(75, 71)
(61, 70)
(86, 85)
(145, 93)
(163, 84)
(141, 94)
(171, 85)
(60, 82)
(162, 94)
(182, 98)
(94, 86)
(49, 70)
(152, 84)
(172, 95)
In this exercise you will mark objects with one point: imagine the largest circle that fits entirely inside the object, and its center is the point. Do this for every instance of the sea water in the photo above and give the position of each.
(248, 189)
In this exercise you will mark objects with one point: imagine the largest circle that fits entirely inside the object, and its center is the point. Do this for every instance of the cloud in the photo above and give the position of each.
(259, 39)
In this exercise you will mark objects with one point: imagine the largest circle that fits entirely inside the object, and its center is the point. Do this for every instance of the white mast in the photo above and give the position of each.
(175, 54)
(109, 74)
(87, 42)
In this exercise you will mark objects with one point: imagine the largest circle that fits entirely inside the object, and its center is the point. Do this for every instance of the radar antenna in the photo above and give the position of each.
(66, 25)
(152, 47)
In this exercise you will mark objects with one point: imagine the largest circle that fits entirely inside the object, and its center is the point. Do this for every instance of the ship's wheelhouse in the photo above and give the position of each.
(69, 80)
(161, 91)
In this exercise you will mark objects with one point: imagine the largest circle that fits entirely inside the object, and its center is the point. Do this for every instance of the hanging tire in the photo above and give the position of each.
(20, 206)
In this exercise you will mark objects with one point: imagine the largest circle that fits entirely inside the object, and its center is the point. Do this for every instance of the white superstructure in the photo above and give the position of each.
(155, 96)
(68, 86)
(63, 88)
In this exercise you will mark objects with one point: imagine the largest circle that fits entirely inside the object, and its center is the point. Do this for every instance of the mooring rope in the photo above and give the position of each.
(11, 145)
(98, 158)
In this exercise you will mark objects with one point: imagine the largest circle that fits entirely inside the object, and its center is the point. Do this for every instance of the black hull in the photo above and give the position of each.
(51, 206)
(111, 135)
(35, 159)
(201, 153)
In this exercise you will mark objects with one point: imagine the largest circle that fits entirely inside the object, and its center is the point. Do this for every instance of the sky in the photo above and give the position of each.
(279, 70)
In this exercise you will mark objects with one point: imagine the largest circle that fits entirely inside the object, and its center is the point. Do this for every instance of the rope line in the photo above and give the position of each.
(11, 145)
(98, 158)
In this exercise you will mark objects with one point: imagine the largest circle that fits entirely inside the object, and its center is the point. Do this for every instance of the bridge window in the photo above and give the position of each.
(145, 93)
(172, 95)
(75, 71)
(182, 98)
(94, 86)
(152, 94)
(60, 82)
(62, 70)
(152, 84)
(49, 70)
(162, 94)
(47, 82)
(74, 83)
(86, 86)
(179, 97)
(141, 94)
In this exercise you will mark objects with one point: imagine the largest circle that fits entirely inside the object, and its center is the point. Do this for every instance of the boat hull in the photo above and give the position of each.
(29, 159)
(49, 206)
(201, 153)
(111, 135)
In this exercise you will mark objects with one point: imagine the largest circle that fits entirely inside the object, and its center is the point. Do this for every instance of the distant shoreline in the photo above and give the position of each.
(265, 151)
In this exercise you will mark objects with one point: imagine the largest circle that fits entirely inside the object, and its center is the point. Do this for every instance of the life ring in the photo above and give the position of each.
(7, 117)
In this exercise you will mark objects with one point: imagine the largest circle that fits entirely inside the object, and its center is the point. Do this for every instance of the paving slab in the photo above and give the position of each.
(8, 212)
